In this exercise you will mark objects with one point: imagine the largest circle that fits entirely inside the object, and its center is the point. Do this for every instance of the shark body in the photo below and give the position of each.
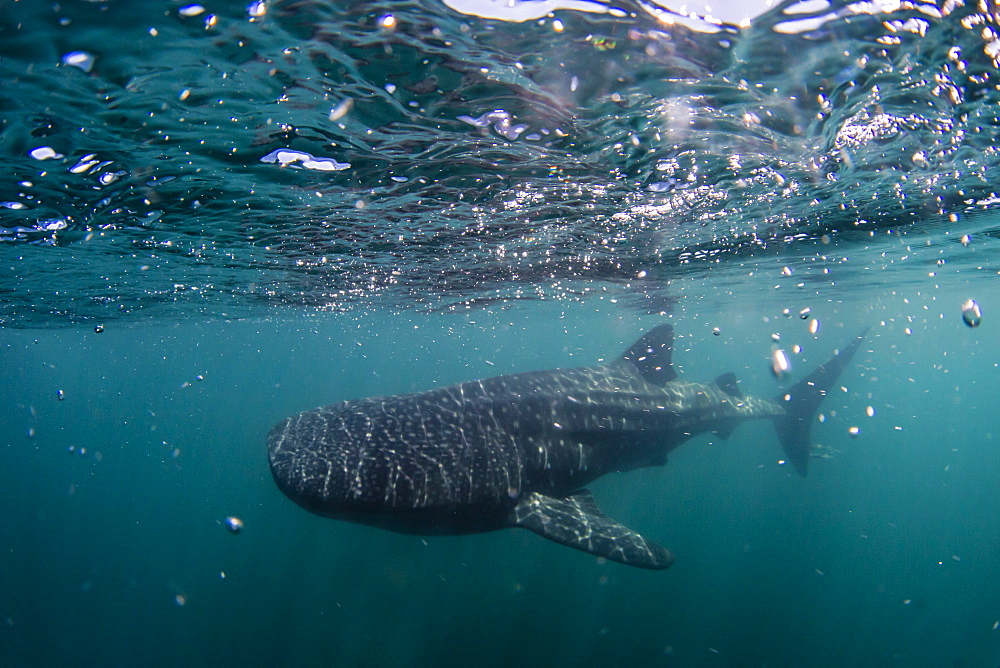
(518, 450)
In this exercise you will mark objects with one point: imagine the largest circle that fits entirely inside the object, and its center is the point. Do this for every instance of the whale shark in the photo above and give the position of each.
(518, 450)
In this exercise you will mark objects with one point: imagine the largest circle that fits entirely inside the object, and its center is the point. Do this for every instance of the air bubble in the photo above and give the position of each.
(780, 364)
(233, 524)
(44, 153)
(257, 9)
(79, 59)
(971, 313)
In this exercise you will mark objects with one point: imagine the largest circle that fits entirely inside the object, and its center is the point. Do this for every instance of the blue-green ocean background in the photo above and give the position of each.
(170, 290)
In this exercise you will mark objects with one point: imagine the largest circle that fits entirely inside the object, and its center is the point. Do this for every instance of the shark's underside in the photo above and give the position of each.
(518, 450)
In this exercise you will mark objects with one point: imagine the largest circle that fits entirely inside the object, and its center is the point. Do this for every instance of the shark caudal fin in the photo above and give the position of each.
(802, 401)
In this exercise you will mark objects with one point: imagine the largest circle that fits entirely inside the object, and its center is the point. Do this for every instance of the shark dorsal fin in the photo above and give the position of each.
(650, 356)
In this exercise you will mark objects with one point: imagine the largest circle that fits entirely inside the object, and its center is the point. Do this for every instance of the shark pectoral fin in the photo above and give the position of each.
(576, 521)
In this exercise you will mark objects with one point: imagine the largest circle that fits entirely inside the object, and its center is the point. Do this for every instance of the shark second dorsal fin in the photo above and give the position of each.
(727, 383)
(577, 522)
(650, 356)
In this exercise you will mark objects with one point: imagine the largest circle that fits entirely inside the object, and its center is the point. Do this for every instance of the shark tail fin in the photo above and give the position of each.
(801, 403)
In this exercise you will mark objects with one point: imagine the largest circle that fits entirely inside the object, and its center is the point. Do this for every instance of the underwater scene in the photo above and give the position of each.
(492, 333)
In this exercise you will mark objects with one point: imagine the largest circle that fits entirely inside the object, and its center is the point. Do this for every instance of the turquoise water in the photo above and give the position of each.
(198, 263)
(884, 555)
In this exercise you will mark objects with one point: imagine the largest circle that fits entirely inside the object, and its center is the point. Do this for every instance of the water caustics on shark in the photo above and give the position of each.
(518, 450)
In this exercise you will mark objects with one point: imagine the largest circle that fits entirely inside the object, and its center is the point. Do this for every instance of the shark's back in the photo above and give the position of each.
(463, 450)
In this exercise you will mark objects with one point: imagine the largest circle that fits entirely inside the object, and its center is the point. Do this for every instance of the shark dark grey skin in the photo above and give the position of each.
(517, 450)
